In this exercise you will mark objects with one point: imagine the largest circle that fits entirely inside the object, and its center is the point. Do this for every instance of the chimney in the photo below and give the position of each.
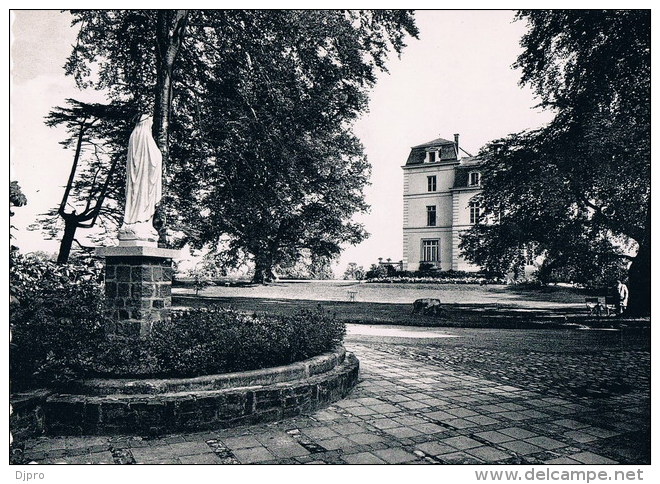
(456, 143)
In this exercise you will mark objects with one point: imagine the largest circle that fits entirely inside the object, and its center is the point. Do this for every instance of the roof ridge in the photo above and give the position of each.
(437, 141)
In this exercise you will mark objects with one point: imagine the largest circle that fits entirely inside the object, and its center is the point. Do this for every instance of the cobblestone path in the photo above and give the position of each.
(414, 405)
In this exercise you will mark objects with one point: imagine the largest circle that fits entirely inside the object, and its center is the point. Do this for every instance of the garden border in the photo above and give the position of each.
(265, 376)
(214, 401)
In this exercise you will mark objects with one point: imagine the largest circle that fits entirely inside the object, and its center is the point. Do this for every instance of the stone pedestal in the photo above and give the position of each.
(138, 287)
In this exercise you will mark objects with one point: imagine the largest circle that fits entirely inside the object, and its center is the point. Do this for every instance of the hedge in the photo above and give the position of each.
(218, 340)
(58, 314)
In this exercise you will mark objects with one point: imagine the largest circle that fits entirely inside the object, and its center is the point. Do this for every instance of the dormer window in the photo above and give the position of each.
(474, 179)
(431, 158)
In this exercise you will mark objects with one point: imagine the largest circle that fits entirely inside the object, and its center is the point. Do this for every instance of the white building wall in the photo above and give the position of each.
(416, 199)
(460, 223)
(406, 211)
(415, 238)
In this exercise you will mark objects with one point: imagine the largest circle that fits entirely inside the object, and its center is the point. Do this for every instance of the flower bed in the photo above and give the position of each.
(434, 280)
(58, 322)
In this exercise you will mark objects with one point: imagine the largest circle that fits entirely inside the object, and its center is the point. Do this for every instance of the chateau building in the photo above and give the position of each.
(438, 186)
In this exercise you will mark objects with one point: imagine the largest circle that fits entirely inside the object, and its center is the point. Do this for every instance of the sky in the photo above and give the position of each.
(456, 78)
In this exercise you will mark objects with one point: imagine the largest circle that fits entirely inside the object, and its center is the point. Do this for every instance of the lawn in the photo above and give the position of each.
(465, 305)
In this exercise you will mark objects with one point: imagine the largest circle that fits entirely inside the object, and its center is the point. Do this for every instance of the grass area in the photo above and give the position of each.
(468, 306)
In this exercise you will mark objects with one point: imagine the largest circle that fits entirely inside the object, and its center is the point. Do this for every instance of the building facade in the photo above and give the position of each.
(438, 187)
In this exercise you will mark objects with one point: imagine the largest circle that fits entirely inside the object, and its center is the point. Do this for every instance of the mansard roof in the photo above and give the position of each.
(435, 142)
(447, 151)
(462, 171)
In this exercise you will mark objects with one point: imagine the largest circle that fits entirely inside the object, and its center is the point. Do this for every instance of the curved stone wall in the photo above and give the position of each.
(266, 376)
(216, 401)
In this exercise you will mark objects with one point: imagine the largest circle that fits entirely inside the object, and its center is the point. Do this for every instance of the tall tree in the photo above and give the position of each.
(261, 106)
(16, 199)
(94, 190)
(580, 187)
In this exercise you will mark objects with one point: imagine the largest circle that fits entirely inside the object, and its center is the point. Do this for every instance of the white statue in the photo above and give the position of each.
(144, 174)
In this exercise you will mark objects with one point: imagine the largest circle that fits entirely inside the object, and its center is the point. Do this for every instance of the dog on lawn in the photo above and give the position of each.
(427, 306)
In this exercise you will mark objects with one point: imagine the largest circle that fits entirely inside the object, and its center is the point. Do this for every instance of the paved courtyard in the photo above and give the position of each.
(449, 397)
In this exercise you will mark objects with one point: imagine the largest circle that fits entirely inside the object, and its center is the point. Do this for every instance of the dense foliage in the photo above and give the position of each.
(98, 134)
(253, 113)
(58, 321)
(308, 266)
(16, 199)
(217, 340)
(353, 271)
(436, 277)
(578, 190)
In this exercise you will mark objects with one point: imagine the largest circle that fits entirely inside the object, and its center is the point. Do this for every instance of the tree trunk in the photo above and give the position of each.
(639, 275)
(263, 268)
(169, 34)
(70, 226)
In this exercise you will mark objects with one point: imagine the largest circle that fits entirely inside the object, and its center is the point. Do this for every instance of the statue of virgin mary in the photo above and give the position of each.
(144, 173)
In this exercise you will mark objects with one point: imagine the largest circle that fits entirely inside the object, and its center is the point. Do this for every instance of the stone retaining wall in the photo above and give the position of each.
(267, 376)
(28, 417)
(328, 378)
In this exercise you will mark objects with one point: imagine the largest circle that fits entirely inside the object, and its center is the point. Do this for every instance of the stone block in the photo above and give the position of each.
(289, 412)
(123, 289)
(147, 289)
(266, 416)
(135, 290)
(110, 271)
(110, 290)
(146, 274)
(136, 273)
(157, 273)
(168, 273)
(92, 419)
(123, 273)
(120, 414)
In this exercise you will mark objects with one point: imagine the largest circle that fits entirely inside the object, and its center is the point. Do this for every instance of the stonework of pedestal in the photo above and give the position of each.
(138, 287)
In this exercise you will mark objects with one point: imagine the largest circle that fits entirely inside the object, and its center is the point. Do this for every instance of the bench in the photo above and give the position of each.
(601, 306)
(594, 306)
(351, 295)
(611, 305)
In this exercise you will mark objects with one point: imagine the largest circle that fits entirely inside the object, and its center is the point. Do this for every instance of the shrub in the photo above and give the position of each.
(439, 277)
(54, 348)
(426, 268)
(376, 271)
(56, 320)
(218, 340)
(353, 271)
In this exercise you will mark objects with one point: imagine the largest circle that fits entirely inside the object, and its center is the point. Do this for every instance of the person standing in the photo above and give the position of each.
(622, 296)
